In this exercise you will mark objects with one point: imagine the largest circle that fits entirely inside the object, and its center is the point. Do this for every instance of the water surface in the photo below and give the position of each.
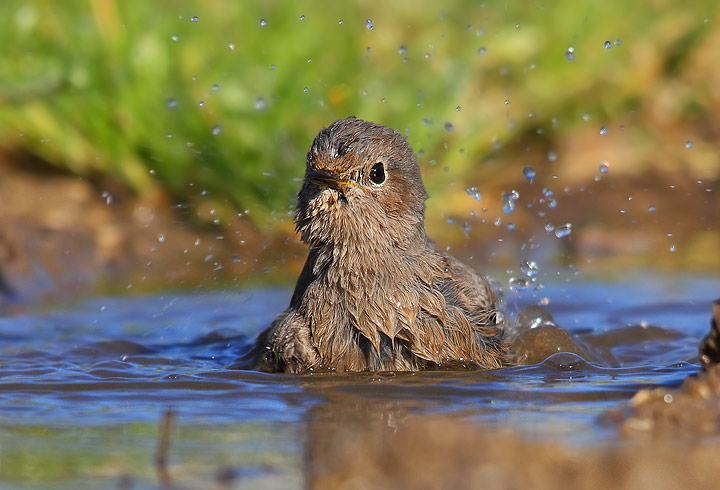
(83, 388)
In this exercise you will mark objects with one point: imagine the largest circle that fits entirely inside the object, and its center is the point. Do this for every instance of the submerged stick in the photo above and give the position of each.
(163, 448)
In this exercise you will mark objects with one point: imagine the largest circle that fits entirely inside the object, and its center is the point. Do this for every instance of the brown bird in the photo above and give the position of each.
(376, 294)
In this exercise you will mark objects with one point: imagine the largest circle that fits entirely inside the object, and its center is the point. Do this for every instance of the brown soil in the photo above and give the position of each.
(62, 236)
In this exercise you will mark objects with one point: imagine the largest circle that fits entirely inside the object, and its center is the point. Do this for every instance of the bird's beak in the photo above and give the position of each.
(326, 179)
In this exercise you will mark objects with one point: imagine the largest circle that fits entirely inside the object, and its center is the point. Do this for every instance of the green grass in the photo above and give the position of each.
(115, 87)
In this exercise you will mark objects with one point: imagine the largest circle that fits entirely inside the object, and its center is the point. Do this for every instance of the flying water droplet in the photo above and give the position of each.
(215, 87)
(175, 37)
(651, 209)
(604, 167)
(474, 193)
(529, 173)
(260, 104)
(402, 49)
(673, 248)
(563, 230)
(172, 103)
(608, 45)
(529, 268)
(518, 284)
(570, 53)
(161, 238)
(482, 51)
(688, 144)
(263, 23)
(603, 130)
(231, 47)
(216, 130)
(449, 127)
(508, 203)
(194, 18)
(552, 203)
(369, 24)
(302, 17)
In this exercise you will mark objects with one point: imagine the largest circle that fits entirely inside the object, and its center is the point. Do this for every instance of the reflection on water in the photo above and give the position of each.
(82, 390)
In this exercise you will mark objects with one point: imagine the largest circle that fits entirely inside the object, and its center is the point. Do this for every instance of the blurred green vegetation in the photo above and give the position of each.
(222, 99)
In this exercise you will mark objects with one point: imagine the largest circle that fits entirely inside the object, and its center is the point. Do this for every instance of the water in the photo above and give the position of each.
(83, 389)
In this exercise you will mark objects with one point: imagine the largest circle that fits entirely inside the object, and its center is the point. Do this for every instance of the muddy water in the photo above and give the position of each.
(83, 389)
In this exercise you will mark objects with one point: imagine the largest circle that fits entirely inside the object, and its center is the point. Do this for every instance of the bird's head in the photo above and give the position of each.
(362, 180)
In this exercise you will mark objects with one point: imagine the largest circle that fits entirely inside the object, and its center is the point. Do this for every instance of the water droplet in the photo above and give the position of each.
(518, 284)
(449, 127)
(427, 56)
(673, 249)
(194, 18)
(549, 227)
(552, 203)
(603, 130)
(511, 226)
(263, 23)
(216, 130)
(161, 238)
(172, 103)
(546, 192)
(151, 171)
(651, 209)
(302, 17)
(617, 42)
(497, 222)
(108, 197)
(688, 144)
(231, 47)
(305, 89)
(402, 49)
(260, 104)
(474, 193)
(457, 108)
(309, 60)
(451, 221)
(482, 51)
(507, 101)
(201, 103)
(608, 45)
(508, 203)
(215, 87)
(552, 156)
(604, 167)
(515, 195)
(563, 230)
(529, 173)
(570, 53)
(369, 24)
(175, 38)
(340, 22)
(529, 268)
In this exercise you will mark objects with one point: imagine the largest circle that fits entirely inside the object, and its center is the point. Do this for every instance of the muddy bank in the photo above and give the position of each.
(62, 237)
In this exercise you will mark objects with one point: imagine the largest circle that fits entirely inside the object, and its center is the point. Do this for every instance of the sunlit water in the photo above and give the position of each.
(82, 390)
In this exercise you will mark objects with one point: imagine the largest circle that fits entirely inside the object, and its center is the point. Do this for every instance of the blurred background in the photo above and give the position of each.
(149, 145)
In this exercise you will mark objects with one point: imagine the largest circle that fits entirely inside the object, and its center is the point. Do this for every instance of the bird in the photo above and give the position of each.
(375, 293)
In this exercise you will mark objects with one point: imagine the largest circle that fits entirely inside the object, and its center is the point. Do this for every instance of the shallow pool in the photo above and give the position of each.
(83, 389)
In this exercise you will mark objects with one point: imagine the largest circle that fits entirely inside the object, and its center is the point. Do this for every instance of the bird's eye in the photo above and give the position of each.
(377, 174)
